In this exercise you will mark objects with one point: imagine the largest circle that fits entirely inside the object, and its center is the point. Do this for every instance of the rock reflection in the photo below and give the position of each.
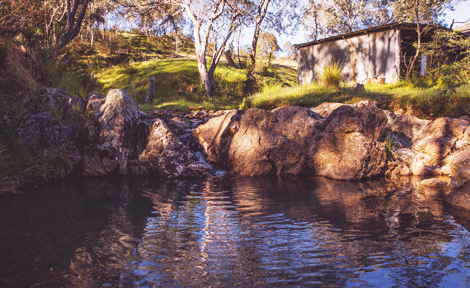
(69, 234)
(233, 231)
(242, 231)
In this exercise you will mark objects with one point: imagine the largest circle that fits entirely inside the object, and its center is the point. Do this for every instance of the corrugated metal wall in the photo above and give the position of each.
(374, 52)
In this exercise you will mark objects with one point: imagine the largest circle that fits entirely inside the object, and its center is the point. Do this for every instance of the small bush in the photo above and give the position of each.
(332, 74)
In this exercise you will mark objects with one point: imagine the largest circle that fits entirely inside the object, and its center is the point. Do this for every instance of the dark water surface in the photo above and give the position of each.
(233, 231)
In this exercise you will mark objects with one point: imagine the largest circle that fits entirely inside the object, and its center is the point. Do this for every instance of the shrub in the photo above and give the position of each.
(332, 74)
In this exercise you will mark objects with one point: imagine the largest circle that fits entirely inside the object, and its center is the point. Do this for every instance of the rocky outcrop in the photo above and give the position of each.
(460, 185)
(367, 120)
(344, 142)
(113, 137)
(43, 128)
(258, 142)
(294, 140)
(428, 144)
(346, 146)
(131, 143)
(257, 148)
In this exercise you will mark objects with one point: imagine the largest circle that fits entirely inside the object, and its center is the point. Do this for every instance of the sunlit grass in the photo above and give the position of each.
(178, 85)
(424, 102)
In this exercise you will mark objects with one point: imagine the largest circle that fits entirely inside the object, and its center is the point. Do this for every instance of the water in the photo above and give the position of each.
(233, 231)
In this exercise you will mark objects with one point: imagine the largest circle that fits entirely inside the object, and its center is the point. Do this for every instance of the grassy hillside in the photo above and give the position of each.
(177, 83)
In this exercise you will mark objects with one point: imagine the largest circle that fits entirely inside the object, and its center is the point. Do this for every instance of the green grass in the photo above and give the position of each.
(177, 83)
(424, 101)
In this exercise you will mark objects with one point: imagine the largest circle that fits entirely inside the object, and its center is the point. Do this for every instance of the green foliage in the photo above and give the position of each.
(449, 58)
(332, 74)
(391, 142)
(55, 72)
(267, 45)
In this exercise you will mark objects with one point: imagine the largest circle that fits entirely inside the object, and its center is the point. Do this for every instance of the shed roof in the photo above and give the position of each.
(358, 33)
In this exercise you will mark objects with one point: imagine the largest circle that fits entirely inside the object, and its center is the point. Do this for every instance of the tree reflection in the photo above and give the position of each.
(233, 231)
(244, 231)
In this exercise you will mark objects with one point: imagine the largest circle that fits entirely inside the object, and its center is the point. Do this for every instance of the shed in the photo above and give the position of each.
(380, 51)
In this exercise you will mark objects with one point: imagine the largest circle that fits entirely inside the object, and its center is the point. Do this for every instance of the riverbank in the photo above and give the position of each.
(110, 136)
(232, 231)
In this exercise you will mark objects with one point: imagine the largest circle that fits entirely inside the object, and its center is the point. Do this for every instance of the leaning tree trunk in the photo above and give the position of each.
(228, 56)
(73, 25)
(418, 48)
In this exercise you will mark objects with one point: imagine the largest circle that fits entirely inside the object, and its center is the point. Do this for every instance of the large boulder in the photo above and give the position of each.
(367, 119)
(460, 185)
(347, 147)
(346, 156)
(165, 155)
(258, 149)
(258, 142)
(436, 139)
(297, 123)
(216, 135)
(49, 138)
(117, 136)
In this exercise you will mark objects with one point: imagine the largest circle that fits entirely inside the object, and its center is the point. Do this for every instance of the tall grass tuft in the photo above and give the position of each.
(332, 74)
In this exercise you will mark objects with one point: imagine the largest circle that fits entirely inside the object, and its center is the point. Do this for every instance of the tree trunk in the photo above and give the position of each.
(150, 93)
(250, 81)
(206, 78)
(92, 34)
(73, 27)
(228, 56)
(410, 68)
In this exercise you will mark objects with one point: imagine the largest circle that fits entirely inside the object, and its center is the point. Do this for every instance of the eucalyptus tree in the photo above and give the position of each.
(278, 15)
(54, 12)
(95, 16)
(74, 21)
(268, 45)
(289, 49)
(332, 17)
(209, 18)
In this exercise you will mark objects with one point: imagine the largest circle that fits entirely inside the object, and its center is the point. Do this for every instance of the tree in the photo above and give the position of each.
(268, 45)
(274, 12)
(95, 15)
(74, 22)
(16, 14)
(336, 17)
(423, 13)
(209, 18)
(289, 49)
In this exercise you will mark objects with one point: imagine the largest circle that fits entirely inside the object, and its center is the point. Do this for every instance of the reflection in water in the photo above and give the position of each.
(234, 231)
